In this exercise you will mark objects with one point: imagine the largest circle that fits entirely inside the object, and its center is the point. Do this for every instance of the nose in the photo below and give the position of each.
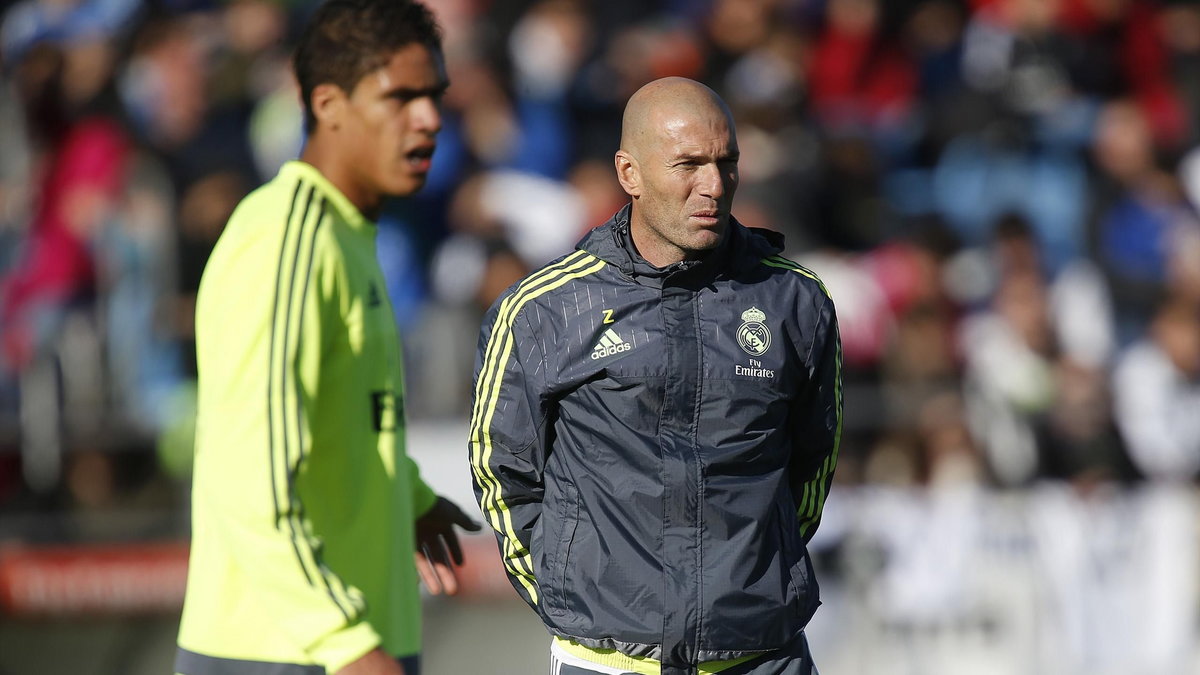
(425, 116)
(711, 181)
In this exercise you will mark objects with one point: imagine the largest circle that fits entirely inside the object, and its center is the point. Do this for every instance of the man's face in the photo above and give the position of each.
(688, 177)
(392, 119)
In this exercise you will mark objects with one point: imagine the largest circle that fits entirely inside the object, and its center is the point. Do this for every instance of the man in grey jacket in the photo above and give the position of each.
(657, 417)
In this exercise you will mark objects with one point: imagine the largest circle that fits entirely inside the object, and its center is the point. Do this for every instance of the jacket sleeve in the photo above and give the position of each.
(817, 422)
(247, 491)
(508, 436)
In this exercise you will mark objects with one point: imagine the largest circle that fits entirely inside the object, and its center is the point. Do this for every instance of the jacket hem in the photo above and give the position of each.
(656, 651)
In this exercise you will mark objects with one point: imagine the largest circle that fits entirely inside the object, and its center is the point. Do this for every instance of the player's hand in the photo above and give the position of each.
(374, 662)
(438, 549)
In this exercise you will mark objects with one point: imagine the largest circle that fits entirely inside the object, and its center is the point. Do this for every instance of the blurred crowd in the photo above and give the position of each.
(1001, 196)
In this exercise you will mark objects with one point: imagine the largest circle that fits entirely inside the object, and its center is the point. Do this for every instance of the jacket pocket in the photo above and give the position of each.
(566, 514)
(802, 592)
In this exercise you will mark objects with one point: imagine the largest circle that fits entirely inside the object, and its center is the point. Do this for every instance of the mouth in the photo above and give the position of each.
(420, 158)
(707, 216)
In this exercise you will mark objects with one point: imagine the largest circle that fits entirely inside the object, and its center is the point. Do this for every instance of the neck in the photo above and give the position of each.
(337, 171)
(656, 250)
(653, 248)
(653, 251)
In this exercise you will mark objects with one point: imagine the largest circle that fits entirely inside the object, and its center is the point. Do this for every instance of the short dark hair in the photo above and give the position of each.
(346, 39)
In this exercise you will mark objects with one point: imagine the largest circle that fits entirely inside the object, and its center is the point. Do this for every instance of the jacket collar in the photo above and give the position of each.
(743, 246)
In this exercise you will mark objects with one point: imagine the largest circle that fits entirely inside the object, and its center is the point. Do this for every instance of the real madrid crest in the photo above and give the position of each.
(752, 335)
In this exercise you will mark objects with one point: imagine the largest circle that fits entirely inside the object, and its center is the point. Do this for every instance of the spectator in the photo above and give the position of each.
(1157, 389)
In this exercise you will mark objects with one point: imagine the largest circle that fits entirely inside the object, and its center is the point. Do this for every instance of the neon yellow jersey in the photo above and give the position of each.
(303, 497)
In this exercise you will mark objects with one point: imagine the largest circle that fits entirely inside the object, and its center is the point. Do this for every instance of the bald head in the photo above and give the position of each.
(678, 164)
(665, 104)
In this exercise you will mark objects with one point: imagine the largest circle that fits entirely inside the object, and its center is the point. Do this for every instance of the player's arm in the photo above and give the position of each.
(817, 420)
(507, 437)
(261, 354)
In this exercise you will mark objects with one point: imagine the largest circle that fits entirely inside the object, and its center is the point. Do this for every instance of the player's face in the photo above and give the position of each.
(687, 182)
(392, 121)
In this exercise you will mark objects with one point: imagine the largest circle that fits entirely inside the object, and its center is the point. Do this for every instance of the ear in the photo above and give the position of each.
(628, 173)
(328, 105)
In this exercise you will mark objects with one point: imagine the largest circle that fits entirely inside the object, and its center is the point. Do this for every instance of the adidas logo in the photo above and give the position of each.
(610, 343)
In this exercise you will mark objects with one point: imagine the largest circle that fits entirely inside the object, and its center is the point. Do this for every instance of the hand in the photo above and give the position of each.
(374, 662)
(437, 545)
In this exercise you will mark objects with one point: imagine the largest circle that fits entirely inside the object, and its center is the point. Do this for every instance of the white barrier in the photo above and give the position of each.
(1048, 580)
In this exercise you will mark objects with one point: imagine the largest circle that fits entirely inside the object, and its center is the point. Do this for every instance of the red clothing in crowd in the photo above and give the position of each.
(81, 183)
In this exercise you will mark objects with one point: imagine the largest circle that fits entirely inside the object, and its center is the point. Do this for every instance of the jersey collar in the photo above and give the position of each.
(349, 212)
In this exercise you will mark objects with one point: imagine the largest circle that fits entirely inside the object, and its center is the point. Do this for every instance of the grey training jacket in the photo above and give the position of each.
(654, 447)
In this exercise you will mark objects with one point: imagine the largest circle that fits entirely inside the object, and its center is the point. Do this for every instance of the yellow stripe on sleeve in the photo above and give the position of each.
(813, 500)
(484, 386)
(517, 558)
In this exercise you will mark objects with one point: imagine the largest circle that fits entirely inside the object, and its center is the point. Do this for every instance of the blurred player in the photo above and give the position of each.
(306, 509)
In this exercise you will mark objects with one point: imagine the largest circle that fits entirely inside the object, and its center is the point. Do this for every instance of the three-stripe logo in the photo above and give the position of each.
(610, 343)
